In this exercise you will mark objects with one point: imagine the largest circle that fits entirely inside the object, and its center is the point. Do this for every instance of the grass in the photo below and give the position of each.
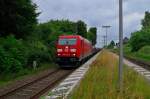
(10, 78)
(143, 54)
(101, 81)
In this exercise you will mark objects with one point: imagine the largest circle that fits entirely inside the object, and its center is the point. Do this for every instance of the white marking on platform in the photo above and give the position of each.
(72, 79)
(139, 69)
(147, 75)
(76, 76)
(62, 88)
(142, 70)
(66, 83)
(65, 87)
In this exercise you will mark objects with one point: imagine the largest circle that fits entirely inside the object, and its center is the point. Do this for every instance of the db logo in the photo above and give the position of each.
(66, 50)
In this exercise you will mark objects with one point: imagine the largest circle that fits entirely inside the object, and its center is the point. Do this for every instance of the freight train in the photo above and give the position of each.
(73, 49)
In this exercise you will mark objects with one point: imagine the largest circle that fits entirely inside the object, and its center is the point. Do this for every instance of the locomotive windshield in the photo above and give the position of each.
(67, 41)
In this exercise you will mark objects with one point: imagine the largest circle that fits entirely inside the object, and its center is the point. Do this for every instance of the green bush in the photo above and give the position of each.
(13, 55)
(16, 55)
(111, 45)
(145, 50)
(39, 52)
(39, 56)
(140, 39)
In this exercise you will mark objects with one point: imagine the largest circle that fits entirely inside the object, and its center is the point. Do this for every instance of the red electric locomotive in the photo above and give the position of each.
(72, 49)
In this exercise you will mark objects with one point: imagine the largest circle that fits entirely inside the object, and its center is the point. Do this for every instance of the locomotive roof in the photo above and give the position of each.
(70, 36)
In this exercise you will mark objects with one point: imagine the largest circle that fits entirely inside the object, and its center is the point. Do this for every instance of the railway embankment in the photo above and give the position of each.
(9, 79)
(100, 82)
(141, 57)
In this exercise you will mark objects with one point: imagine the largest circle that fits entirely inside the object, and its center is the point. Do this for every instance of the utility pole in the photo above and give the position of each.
(120, 46)
(104, 41)
(106, 27)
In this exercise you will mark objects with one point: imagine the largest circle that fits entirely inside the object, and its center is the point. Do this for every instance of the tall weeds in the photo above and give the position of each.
(101, 81)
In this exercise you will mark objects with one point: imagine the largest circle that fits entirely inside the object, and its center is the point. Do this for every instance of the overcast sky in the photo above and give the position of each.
(96, 13)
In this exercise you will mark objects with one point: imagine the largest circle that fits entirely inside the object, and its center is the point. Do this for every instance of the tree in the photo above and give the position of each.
(112, 44)
(49, 31)
(146, 20)
(17, 17)
(81, 28)
(92, 35)
(125, 40)
(141, 38)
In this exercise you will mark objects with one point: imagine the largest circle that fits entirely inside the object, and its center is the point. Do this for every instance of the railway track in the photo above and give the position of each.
(38, 87)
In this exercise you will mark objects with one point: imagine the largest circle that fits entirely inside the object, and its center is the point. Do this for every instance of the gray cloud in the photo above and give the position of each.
(95, 13)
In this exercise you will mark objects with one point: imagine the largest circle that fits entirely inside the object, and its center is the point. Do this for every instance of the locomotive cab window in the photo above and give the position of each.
(67, 41)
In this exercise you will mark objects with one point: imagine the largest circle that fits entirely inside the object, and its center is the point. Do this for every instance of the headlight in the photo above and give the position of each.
(72, 50)
(59, 50)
